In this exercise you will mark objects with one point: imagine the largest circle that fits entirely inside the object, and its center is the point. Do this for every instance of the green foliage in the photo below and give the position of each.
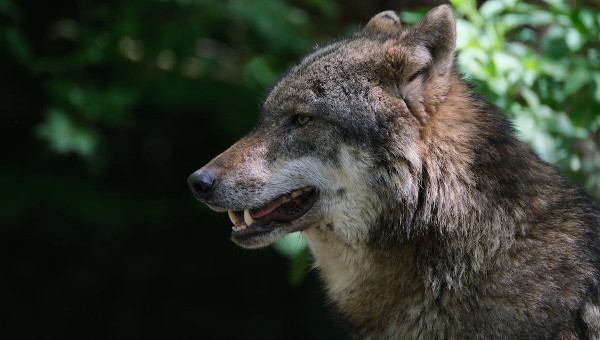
(108, 106)
(295, 249)
(112, 59)
(64, 137)
(540, 65)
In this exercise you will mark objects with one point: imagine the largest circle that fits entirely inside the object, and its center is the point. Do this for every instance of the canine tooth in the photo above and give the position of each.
(307, 189)
(285, 199)
(247, 218)
(232, 216)
(296, 193)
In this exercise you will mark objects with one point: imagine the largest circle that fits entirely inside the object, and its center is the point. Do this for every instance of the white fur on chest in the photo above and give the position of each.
(354, 278)
(340, 265)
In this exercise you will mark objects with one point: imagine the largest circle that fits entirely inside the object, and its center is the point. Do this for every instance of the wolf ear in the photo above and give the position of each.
(437, 33)
(385, 22)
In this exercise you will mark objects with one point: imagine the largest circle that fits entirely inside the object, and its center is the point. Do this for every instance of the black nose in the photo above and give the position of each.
(202, 183)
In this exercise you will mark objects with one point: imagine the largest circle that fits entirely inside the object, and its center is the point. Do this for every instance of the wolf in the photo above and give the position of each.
(426, 216)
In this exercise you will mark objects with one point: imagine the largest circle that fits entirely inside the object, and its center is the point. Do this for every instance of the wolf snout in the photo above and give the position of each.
(202, 183)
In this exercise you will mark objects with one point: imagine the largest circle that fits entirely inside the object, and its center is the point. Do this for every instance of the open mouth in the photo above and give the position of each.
(283, 209)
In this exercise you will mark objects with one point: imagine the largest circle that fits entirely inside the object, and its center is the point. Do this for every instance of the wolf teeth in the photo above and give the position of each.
(295, 194)
(247, 218)
(234, 219)
(232, 216)
(239, 228)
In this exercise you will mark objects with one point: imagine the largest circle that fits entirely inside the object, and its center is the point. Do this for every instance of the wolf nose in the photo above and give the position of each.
(202, 183)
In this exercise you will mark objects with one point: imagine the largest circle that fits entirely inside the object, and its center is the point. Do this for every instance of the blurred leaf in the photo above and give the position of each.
(558, 5)
(413, 17)
(492, 8)
(295, 249)
(469, 9)
(577, 79)
(299, 267)
(290, 245)
(573, 39)
(597, 87)
(64, 136)
(554, 42)
(586, 17)
(18, 45)
(540, 17)
(531, 98)
(329, 8)
(506, 62)
(258, 71)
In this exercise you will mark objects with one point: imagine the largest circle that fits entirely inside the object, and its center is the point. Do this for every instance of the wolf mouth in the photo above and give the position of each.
(283, 209)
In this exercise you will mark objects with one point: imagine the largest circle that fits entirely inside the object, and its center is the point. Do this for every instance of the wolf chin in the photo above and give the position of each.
(426, 216)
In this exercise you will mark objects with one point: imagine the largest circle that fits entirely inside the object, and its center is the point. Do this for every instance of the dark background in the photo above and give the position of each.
(107, 107)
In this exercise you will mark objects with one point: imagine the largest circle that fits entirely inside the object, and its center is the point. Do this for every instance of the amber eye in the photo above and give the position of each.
(416, 74)
(302, 120)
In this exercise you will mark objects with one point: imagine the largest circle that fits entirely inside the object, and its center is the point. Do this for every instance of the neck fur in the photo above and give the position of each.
(448, 227)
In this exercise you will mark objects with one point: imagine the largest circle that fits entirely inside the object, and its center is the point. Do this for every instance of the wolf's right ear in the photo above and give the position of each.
(437, 34)
(385, 22)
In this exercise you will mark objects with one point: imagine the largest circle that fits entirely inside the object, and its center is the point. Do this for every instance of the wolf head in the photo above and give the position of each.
(340, 136)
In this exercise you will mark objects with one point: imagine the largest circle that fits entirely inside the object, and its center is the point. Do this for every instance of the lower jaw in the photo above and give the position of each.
(255, 230)
(262, 236)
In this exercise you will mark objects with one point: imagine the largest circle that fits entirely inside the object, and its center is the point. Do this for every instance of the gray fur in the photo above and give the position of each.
(432, 221)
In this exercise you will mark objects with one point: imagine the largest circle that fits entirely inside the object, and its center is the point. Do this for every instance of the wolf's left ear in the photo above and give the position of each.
(437, 33)
(385, 22)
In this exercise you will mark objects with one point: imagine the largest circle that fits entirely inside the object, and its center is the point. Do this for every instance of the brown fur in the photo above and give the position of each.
(433, 221)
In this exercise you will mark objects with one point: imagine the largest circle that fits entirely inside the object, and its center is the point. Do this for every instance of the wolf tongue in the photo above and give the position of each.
(267, 208)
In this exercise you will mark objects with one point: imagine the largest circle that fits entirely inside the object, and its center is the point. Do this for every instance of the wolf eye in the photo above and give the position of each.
(416, 74)
(302, 120)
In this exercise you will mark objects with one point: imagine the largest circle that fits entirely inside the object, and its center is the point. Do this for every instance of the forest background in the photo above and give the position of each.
(108, 106)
